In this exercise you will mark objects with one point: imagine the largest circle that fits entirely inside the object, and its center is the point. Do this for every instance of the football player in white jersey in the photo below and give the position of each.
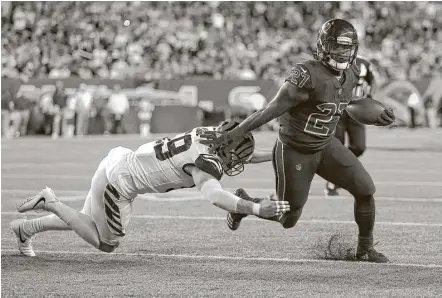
(155, 167)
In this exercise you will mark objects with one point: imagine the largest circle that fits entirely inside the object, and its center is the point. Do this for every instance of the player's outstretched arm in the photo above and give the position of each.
(212, 190)
(260, 156)
(288, 96)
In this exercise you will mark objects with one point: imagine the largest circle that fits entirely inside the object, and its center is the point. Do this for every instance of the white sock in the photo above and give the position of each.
(80, 223)
(46, 223)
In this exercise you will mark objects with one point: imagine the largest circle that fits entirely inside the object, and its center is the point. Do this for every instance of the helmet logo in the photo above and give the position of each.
(344, 40)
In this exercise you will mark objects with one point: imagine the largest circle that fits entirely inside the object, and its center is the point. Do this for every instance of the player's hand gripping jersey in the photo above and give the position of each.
(310, 125)
(160, 166)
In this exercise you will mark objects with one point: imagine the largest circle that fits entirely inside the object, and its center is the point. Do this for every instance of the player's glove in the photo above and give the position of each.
(269, 208)
(215, 139)
(386, 118)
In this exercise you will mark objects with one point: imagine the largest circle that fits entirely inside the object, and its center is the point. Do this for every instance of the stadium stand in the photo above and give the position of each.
(221, 39)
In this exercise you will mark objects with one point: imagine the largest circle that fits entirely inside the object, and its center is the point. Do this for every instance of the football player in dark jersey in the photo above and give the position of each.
(309, 104)
(355, 130)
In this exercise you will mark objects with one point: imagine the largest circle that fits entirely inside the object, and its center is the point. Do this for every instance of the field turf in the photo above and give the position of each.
(178, 244)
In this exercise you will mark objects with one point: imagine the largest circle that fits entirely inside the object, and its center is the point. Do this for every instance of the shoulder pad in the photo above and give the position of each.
(355, 68)
(201, 129)
(362, 59)
(210, 164)
(300, 76)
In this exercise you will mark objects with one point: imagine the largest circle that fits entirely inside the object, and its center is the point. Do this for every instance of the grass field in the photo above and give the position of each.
(179, 245)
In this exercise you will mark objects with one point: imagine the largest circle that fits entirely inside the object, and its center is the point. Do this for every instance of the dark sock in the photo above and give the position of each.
(365, 211)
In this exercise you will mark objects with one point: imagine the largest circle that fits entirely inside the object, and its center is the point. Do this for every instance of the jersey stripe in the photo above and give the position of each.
(282, 175)
(112, 212)
(214, 161)
(113, 190)
(275, 165)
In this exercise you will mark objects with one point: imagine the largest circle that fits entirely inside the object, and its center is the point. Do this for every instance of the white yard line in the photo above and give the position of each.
(237, 180)
(194, 195)
(219, 218)
(229, 258)
(27, 165)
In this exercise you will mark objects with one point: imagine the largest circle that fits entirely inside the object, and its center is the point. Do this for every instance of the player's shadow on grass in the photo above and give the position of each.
(337, 247)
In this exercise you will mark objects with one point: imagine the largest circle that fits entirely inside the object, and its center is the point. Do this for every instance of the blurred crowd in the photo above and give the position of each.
(245, 40)
(88, 110)
(165, 40)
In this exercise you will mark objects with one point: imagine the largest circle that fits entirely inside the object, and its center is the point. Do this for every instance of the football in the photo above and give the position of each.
(365, 110)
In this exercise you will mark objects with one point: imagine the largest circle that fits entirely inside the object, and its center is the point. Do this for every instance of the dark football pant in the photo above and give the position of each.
(294, 172)
(356, 134)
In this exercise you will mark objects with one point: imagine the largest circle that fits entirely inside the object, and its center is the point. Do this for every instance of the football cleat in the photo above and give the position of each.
(234, 219)
(371, 255)
(23, 242)
(39, 201)
(331, 189)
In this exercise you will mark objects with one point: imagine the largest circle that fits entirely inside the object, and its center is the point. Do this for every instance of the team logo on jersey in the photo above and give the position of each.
(299, 167)
(339, 91)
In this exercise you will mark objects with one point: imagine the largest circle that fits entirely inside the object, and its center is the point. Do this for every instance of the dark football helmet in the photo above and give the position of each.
(236, 152)
(337, 44)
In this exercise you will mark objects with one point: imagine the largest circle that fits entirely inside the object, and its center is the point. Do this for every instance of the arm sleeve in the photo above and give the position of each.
(212, 190)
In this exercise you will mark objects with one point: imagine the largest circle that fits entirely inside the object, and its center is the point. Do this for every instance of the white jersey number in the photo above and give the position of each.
(318, 123)
(165, 148)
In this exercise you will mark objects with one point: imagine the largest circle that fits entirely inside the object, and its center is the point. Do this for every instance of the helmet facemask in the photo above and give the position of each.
(338, 56)
(232, 164)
